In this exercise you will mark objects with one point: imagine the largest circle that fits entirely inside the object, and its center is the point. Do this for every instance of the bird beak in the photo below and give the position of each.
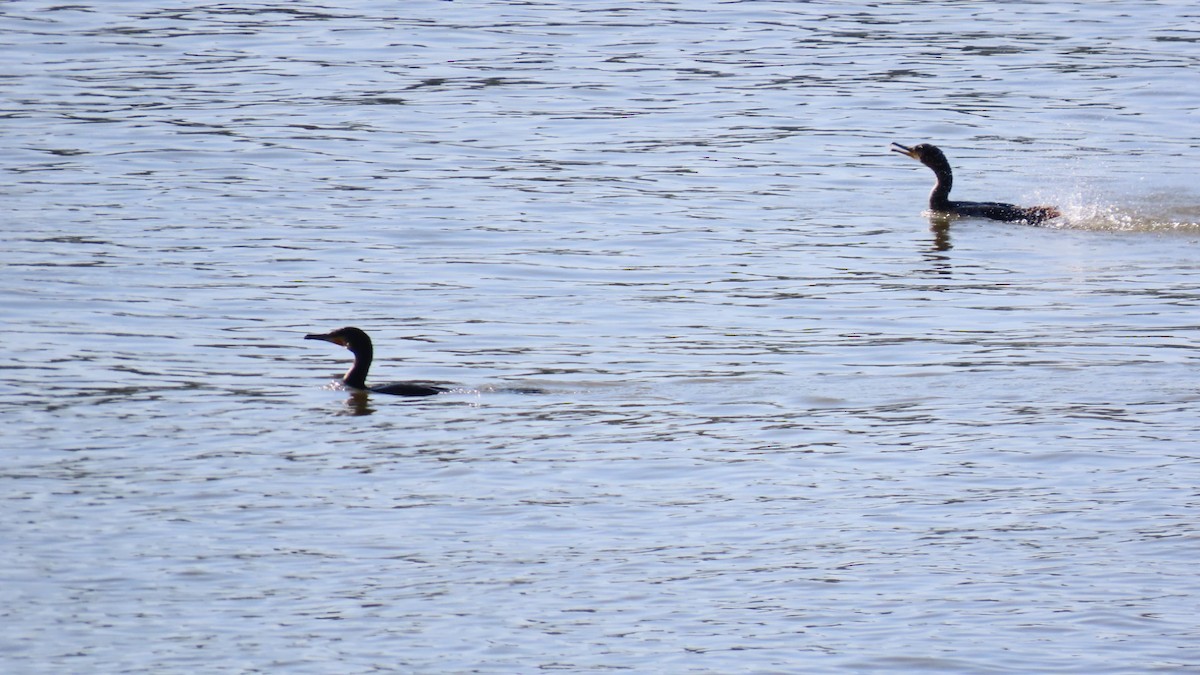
(904, 150)
(327, 337)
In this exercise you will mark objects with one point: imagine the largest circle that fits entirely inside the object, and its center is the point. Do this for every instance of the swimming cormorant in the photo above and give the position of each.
(939, 199)
(359, 344)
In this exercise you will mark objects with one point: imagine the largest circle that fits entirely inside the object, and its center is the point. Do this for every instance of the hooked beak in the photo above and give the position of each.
(903, 149)
(327, 337)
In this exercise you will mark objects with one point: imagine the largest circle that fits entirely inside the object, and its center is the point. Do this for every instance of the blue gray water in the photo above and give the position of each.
(787, 425)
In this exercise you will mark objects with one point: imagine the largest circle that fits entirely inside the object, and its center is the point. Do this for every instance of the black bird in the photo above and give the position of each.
(939, 199)
(359, 344)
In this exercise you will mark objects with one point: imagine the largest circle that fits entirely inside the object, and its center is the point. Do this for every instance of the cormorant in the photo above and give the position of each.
(939, 199)
(359, 344)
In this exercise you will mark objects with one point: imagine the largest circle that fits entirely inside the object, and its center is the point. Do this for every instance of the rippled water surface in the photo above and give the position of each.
(786, 423)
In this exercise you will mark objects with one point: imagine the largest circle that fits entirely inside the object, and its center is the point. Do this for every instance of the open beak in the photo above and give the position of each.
(327, 337)
(903, 149)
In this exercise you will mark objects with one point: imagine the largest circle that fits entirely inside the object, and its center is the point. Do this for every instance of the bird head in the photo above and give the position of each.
(348, 337)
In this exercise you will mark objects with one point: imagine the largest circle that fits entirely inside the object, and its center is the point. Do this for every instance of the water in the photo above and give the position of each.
(787, 425)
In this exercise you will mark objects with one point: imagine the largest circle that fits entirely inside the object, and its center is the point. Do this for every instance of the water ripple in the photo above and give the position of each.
(787, 424)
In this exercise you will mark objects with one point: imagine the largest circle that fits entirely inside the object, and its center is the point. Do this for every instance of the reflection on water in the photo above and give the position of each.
(939, 225)
(784, 421)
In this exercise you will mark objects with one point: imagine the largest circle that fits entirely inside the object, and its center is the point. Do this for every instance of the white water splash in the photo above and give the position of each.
(1176, 212)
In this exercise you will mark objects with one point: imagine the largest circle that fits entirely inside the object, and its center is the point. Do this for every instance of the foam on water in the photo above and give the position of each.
(1164, 213)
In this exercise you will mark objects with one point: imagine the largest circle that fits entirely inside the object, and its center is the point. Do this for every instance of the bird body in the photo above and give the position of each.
(359, 344)
(939, 199)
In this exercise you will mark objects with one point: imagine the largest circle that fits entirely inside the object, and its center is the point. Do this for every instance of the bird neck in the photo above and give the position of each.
(357, 375)
(939, 199)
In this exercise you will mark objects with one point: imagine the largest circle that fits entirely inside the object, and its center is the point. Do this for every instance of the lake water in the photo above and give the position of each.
(786, 424)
